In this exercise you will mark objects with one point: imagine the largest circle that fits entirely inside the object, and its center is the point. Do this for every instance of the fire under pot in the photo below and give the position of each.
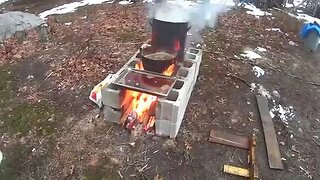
(150, 101)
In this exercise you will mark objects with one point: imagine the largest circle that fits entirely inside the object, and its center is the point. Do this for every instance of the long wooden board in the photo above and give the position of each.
(269, 134)
(229, 139)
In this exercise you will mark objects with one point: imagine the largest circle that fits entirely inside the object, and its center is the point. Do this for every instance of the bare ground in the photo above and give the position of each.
(50, 130)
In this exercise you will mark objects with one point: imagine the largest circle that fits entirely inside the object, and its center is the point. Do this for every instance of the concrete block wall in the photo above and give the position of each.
(170, 110)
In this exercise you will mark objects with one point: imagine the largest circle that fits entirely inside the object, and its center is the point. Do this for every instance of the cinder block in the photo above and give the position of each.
(195, 51)
(170, 110)
(112, 115)
(111, 96)
(163, 127)
(174, 129)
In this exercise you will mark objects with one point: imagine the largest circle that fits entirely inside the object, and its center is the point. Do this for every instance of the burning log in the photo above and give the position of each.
(131, 119)
(150, 123)
(151, 112)
(126, 113)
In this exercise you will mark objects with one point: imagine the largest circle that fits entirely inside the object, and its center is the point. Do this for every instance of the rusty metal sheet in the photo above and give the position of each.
(269, 134)
(229, 139)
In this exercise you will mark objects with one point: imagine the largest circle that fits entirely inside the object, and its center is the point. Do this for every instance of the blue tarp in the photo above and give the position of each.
(309, 27)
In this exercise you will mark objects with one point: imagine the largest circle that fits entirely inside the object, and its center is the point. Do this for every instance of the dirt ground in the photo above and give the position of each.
(50, 130)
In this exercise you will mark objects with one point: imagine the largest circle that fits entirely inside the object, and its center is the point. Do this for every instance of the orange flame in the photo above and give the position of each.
(141, 102)
(168, 72)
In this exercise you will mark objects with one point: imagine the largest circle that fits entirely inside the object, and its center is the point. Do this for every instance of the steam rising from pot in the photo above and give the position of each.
(199, 15)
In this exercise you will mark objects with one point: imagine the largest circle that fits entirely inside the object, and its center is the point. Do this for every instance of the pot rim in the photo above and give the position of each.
(181, 23)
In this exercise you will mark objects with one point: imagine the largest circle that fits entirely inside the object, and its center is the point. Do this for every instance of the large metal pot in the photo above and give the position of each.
(171, 35)
(157, 59)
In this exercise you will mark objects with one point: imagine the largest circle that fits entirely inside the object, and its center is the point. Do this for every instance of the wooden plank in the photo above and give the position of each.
(236, 170)
(253, 170)
(229, 139)
(269, 134)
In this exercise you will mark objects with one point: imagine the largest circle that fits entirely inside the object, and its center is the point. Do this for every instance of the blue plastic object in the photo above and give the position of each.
(309, 27)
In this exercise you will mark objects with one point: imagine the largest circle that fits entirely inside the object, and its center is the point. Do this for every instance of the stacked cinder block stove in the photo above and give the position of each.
(170, 109)
(172, 92)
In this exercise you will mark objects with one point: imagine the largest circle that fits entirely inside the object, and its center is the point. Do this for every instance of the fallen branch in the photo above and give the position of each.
(239, 78)
(84, 46)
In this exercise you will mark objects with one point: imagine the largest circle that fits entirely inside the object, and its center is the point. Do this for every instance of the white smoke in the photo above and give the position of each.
(198, 14)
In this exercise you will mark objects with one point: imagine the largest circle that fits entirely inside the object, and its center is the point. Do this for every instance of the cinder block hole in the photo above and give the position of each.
(133, 63)
(172, 96)
(187, 64)
(178, 84)
(183, 73)
(113, 86)
(191, 56)
(194, 51)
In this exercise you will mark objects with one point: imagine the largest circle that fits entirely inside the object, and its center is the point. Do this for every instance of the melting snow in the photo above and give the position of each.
(295, 3)
(71, 7)
(2, 1)
(251, 55)
(125, 2)
(307, 18)
(225, 2)
(253, 10)
(261, 49)
(284, 113)
(293, 43)
(260, 89)
(258, 71)
(274, 29)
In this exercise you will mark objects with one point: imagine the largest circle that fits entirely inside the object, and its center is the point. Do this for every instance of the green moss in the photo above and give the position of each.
(17, 116)
(22, 117)
(5, 84)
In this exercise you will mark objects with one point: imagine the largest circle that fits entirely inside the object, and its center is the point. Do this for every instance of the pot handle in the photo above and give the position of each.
(188, 28)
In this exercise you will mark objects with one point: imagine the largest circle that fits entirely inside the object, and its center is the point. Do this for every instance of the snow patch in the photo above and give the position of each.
(71, 7)
(253, 86)
(284, 113)
(258, 71)
(293, 43)
(125, 2)
(305, 17)
(3, 1)
(260, 89)
(250, 55)
(225, 2)
(261, 49)
(68, 23)
(276, 94)
(294, 3)
(253, 10)
(274, 29)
